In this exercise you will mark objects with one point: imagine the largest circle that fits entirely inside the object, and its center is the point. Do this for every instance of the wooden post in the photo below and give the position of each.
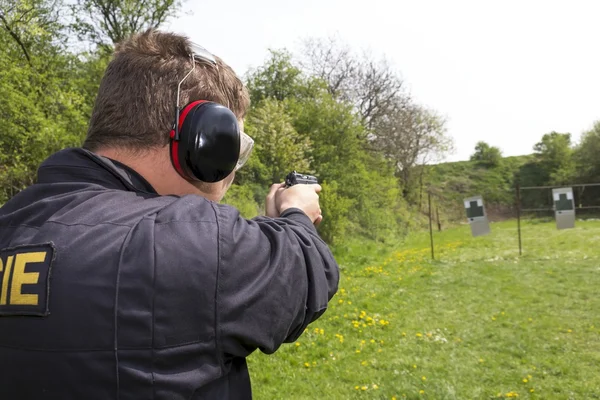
(519, 215)
(430, 226)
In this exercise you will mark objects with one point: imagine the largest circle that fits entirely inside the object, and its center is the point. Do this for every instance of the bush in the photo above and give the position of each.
(242, 198)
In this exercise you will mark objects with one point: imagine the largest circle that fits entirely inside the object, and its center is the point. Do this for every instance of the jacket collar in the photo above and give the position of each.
(81, 165)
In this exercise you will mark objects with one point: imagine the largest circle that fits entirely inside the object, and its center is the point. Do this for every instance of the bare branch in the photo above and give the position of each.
(16, 38)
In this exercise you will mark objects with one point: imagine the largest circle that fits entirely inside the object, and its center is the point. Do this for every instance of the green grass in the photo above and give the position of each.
(480, 322)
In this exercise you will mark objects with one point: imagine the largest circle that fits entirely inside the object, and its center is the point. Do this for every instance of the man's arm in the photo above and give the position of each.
(275, 277)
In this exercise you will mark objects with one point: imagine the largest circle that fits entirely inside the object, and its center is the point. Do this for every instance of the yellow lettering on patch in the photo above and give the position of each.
(25, 273)
(5, 279)
(20, 278)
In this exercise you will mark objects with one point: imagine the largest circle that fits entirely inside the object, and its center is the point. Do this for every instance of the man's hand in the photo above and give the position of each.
(304, 197)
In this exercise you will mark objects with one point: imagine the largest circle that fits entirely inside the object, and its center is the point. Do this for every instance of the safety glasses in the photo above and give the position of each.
(246, 146)
(200, 54)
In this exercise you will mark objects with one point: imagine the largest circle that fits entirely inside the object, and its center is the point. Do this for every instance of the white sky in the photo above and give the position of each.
(505, 72)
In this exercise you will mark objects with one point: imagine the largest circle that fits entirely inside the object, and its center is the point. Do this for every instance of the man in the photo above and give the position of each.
(122, 277)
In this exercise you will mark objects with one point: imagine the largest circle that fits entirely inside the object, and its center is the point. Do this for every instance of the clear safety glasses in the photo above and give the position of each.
(246, 146)
(200, 54)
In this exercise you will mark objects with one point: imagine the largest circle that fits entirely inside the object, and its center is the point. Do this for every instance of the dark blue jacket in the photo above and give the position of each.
(110, 291)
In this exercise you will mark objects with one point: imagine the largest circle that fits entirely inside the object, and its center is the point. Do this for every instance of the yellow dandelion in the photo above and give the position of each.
(419, 334)
(403, 333)
(421, 391)
(356, 387)
(531, 390)
(525, 380)
(364, 387)
(358, 351)
(297, 344)
(414, 365)
(372, 340)
(306, 364)
(375, 386)
(349, 302)
(423, 378)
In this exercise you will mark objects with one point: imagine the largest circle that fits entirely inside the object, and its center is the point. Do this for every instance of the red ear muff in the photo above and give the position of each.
(175, 143)
(209, 142)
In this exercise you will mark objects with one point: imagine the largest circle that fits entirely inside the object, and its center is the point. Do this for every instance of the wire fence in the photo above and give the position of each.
(532, 203)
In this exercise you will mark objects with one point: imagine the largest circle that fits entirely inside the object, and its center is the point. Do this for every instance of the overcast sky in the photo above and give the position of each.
(505, 73)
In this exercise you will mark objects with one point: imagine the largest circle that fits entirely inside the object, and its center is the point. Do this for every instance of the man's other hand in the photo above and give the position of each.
(270, 207)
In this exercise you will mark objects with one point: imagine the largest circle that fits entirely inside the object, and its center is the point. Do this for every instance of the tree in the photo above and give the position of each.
(555, 155)
(278, 146)
(40, 106)
(486, 155)
(586, 155)
(363, 194)
(107, 22)
(278, 78)
(332, 62)
(410, 138)
(30, 26)
(372, 87)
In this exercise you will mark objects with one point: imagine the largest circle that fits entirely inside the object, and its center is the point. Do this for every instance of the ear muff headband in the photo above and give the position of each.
(209, 142)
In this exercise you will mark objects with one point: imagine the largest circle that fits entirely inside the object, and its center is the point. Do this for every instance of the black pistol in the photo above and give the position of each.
(294, 178)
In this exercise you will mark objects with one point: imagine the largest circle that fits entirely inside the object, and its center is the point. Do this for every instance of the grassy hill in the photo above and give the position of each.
(452, 182)
(480, 322)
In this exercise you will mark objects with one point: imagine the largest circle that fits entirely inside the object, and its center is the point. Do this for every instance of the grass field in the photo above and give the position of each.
(480, 322)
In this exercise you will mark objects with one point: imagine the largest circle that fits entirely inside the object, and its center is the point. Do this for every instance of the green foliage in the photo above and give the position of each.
(587, 153)
(555, 156)
(486, 155)
(107, 22)
(279, 148)
(335, 209)
(40, 110)
(298, 124)
(452, 182)
(277, 79)
(242, 198)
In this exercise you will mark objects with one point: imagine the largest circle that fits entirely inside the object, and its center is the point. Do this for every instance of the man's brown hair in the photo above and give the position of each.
(135, 105)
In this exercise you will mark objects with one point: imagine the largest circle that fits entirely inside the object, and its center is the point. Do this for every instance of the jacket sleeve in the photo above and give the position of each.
(276, 276)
